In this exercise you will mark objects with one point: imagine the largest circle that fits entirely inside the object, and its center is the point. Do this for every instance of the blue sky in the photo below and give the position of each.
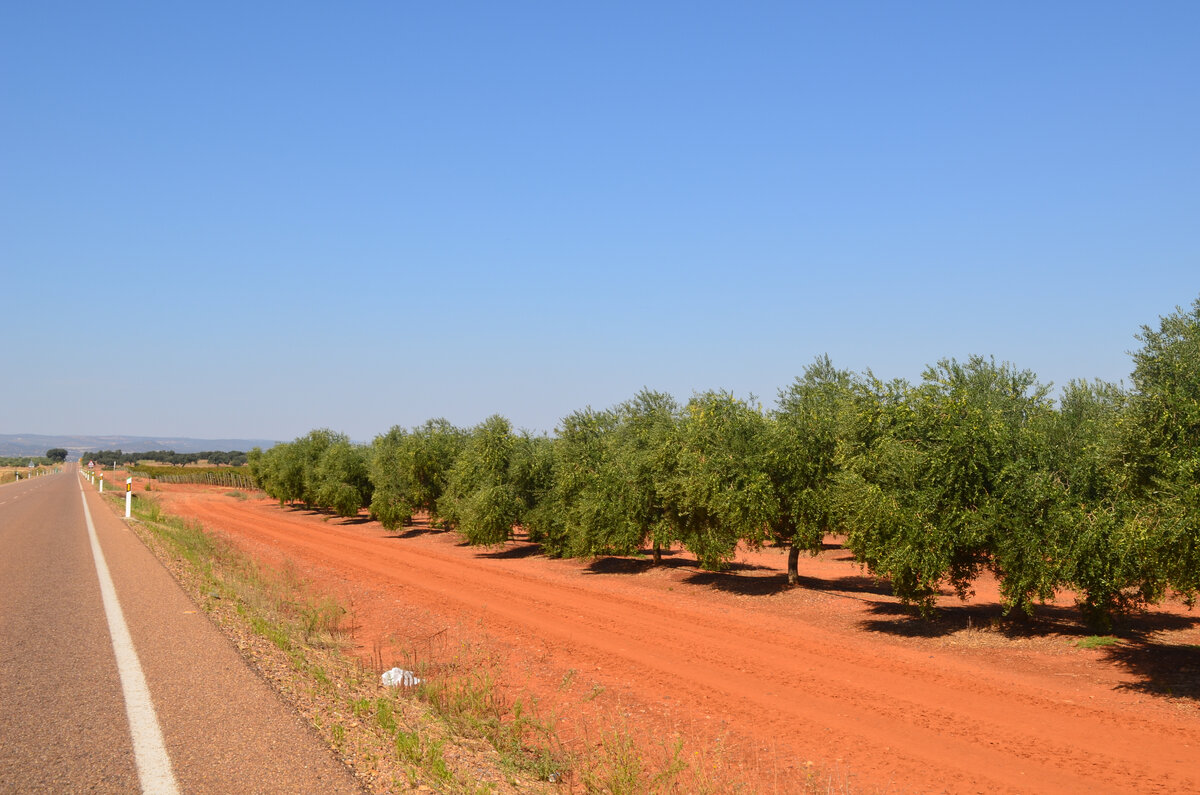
(254, 219)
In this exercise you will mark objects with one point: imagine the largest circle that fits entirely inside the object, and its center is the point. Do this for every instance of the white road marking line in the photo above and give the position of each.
(150, 753)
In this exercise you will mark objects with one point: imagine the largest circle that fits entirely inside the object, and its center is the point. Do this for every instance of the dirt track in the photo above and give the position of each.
(763, 683)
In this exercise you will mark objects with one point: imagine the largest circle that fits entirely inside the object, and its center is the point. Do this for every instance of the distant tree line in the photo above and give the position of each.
(214, 457)
(24, 460)
(974, 468)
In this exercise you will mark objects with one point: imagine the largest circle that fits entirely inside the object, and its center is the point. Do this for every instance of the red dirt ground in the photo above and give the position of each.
(776, 689)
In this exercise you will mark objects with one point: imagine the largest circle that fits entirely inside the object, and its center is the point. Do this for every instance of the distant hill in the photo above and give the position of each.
(22, 444)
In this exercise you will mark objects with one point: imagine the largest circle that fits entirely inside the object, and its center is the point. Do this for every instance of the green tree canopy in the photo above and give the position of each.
(1162, 442)
(481, 498)
(718, 494)
(645, 457)
(610, 468)
(410, 470)
(341, 477)
(1107, 550)
(919, 497)
(799, 454)
(588, 490)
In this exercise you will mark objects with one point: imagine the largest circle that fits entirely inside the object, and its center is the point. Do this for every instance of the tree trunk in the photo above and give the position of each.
(657, 553)
(1021, 611)
(793, 558)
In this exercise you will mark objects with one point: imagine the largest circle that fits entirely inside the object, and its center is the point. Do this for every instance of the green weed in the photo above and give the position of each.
(270, 631)
(1098, 641)
(320, 618)
(617, 768)
(384, 715)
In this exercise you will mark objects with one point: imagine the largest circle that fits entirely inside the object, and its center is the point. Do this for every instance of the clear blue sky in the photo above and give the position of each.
(243, 219)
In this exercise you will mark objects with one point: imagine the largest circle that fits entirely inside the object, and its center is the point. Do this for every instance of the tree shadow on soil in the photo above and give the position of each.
(513, 552)
(850, 583)
(1162, 669)
(737, 578)
(621, 565)
(671, 559)
(328, 515)
(771, 584)
(765, 585)
(415, 528)
(302, 509)
(411, 532)
(904, 621)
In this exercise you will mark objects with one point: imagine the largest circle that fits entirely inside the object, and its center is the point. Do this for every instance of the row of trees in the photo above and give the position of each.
(235, 458)
(25, 461)
(973, 468)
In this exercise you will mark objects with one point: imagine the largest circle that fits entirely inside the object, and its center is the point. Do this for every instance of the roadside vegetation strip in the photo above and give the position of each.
(150, 752)
(23, 461)
(12, 474)
(388, 738)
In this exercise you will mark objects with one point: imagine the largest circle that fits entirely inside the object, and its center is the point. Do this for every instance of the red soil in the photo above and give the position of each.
(774, 688)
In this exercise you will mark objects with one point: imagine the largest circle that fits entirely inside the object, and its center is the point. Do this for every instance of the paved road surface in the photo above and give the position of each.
(64, 722)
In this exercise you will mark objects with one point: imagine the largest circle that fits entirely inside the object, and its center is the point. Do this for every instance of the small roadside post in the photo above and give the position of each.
(128, 495)
(102, 482)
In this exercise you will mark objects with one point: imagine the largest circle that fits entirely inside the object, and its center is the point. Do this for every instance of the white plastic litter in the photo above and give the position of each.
(398, 677)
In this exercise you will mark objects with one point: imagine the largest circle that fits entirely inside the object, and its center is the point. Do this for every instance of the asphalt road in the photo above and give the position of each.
(65, 720)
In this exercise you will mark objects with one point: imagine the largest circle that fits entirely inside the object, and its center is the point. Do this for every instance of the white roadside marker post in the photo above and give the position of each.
(101, 482)
(128, 495)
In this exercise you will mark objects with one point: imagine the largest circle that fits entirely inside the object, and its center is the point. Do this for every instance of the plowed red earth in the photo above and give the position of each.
(828, 686)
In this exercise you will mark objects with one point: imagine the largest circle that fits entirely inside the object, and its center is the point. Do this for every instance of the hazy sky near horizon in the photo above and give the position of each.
(227, 220)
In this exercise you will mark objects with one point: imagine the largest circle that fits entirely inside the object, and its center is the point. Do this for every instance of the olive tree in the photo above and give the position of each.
(342, 478)
(645, 459)
(393, 500)
(1097, 512)
(532, 475)
(718, 494)
(1026, 513)
(409, 470)
(925, 496)
(1162, 440)
(434, 445)
(799, 454)
(305, 454)
(279, 472)
(481, 499)
(588, 491)
(613, 468)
